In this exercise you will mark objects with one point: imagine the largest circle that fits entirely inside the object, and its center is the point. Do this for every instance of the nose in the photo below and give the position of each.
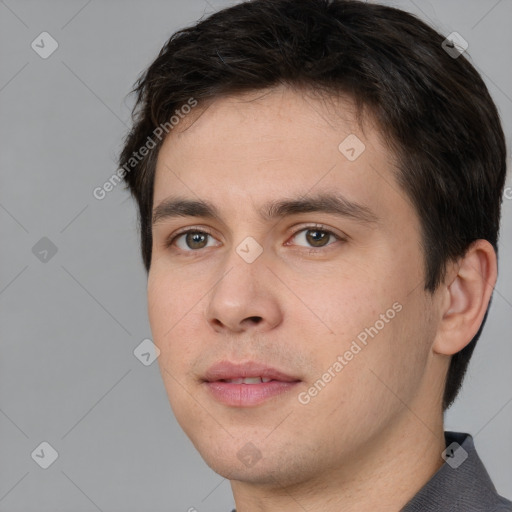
(245, 297)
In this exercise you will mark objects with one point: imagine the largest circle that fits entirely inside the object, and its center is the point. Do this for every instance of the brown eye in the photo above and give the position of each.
(191, 240)
(317, 238)
(196, 240)
(313, 236)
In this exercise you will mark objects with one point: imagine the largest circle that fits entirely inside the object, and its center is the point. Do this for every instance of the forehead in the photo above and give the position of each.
(268, 110)
(268, 144)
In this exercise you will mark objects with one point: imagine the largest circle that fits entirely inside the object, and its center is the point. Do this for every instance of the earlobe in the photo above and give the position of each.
(467, 292)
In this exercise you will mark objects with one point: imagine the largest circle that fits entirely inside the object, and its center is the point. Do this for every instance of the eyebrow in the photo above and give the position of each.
(322, 203)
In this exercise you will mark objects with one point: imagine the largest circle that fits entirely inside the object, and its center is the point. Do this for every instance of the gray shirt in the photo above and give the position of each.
(462, 484)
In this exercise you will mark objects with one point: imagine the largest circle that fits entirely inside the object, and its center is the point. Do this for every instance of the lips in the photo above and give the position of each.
(248, 384)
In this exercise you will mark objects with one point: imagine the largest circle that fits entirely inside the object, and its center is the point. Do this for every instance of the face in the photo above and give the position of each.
(324, 297)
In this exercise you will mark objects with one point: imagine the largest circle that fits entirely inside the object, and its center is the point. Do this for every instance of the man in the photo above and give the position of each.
(319, 187)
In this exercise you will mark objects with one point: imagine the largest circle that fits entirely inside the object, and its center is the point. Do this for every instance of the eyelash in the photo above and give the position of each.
(316, 227)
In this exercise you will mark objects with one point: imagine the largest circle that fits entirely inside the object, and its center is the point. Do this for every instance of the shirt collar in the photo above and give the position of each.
(461, 484)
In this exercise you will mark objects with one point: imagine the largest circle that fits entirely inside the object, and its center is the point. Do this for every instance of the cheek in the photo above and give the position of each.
(169, 314)
(395, 357)
(376, 379)
(167, 311)
(349, 303)
(169, 298)
(160, 308)
(380, 329)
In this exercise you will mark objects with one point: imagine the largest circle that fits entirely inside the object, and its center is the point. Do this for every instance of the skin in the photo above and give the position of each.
(373, 436)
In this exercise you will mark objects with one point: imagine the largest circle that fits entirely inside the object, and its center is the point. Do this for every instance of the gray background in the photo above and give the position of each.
(68, 375)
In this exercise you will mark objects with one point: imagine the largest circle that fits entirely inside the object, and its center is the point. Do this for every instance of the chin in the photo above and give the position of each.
(282, 467)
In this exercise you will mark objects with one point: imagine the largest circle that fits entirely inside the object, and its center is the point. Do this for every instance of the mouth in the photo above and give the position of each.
(248, 384)
(246, 380)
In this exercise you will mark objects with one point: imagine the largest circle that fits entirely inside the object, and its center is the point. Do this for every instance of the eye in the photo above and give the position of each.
(190, 240)
(315, 236)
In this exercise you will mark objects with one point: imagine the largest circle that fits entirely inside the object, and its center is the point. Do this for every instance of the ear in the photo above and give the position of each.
(465, 296)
